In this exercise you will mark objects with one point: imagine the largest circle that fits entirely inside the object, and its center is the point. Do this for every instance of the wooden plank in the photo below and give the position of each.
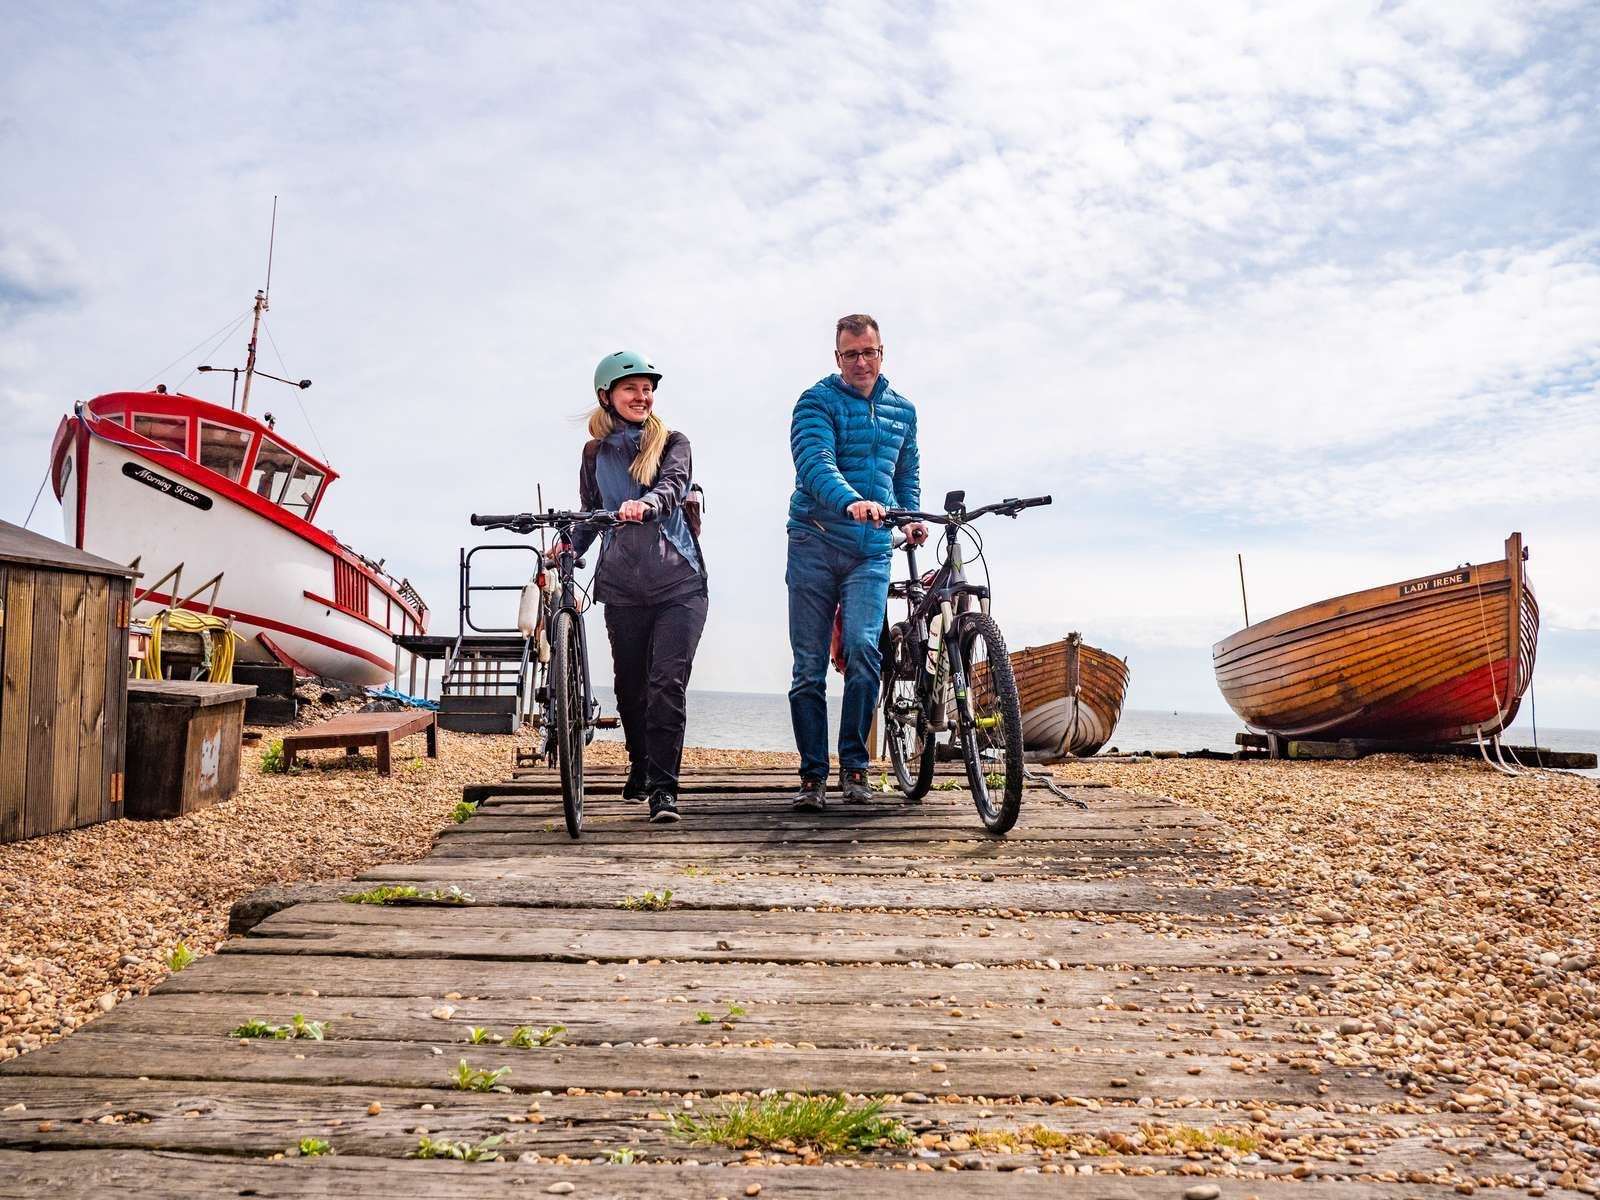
(609, 885)
(1103, 1074)
(775, 819)
(114, 751)
(68, 718)
(91, 800)
(165, 1175)
(38, 808)
(16, 634)
(261, 1119)
(285, 934)
(622, 1021)
(1155, 990)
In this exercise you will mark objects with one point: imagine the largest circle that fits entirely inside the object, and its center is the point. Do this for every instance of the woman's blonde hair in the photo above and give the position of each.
(654, 440)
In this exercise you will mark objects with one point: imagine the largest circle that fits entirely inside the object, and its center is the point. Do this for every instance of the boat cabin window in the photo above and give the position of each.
(171, 432)
(301, 493)
(117, 418)
(271, 472)
(222, 449)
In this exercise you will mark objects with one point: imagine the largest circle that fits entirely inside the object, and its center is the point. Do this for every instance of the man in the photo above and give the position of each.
(854, 441)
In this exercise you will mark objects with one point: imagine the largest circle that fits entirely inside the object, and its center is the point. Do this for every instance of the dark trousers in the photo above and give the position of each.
(652, 649)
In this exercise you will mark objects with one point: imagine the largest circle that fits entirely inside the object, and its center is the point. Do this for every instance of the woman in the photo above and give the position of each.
(651, 577)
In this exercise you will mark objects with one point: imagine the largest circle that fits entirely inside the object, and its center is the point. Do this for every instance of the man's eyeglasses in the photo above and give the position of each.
(871, 354)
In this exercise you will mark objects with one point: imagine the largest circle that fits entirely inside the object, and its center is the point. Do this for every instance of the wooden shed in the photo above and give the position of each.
(63, 685)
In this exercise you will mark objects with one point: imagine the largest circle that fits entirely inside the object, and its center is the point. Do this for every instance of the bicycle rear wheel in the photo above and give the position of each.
(566, 704)
(905, 728)
(991, 739)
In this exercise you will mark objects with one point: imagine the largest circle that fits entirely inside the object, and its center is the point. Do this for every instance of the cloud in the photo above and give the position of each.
(1319, 282)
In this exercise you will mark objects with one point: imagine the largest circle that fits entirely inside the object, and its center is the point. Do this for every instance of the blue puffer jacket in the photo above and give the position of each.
(849, 447)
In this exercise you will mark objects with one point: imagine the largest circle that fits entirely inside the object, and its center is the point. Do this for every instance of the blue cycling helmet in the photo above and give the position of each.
(620, 365)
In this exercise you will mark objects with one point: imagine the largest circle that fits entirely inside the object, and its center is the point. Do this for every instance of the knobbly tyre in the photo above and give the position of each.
(929, 660)
(569, 712)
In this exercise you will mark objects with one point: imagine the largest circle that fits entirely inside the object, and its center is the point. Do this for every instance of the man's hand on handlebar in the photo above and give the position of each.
(866, 511)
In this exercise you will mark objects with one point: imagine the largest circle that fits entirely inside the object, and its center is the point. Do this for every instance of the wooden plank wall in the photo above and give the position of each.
(63, 685)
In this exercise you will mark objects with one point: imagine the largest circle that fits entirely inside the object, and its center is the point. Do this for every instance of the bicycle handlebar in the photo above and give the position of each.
(550, 519)
(1010, 508)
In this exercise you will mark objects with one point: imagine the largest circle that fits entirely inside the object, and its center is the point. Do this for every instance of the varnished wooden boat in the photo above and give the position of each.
(1442, 658)
(1071, 696)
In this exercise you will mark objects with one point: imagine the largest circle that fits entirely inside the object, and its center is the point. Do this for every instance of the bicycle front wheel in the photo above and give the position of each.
(905, 727)
(566, 702)
(990, 724)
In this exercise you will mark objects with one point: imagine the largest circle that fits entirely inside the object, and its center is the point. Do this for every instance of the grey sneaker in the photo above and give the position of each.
(809, 798)
(663, 807)
(855, 787)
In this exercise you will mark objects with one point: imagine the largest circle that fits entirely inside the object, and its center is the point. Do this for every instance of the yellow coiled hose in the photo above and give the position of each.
(216, 633)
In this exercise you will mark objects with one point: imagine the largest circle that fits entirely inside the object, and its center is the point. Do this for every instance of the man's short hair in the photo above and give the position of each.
(856, 323)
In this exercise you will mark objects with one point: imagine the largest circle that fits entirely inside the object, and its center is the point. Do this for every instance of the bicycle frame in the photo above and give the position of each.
(946, 596)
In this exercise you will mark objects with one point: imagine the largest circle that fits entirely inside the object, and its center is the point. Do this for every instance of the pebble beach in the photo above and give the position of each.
(1458, 904)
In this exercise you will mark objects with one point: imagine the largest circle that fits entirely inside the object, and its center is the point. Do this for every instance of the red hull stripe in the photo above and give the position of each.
(349, 612)
(268, 623)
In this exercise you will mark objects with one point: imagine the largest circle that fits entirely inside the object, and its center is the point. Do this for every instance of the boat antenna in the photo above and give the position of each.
(260, 306)
(272, 237)
(1242, 596)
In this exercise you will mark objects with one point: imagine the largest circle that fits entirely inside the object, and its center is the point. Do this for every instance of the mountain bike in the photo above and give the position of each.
(570, 714)
(945, 667)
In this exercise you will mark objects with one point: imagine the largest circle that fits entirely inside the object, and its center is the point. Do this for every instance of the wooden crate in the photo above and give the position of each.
(183, 744)
(63, 675)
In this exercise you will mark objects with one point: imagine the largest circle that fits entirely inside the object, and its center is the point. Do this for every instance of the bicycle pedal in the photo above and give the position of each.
(607, 722)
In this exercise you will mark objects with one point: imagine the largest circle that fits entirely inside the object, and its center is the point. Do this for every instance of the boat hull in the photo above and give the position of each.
(279, 585)
(1070, 694)
(1440, 658)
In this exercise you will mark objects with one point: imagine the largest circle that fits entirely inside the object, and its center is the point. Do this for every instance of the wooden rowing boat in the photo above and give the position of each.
(1071, 696)
(1443, 657)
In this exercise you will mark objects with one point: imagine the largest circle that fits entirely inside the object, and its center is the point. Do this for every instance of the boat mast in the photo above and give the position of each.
(260, 307)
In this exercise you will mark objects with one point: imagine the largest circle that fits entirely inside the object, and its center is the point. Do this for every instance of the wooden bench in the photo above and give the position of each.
(354, 730)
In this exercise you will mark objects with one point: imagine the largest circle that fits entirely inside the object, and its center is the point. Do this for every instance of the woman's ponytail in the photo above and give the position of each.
(651, 443)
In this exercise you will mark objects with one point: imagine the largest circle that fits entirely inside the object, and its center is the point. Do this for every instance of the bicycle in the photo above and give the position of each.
(570, 712)
(948, 659)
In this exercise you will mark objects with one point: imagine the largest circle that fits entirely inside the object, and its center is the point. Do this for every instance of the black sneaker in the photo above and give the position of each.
(855, 787)
(809, 798)
(634, 788)
(663, 808)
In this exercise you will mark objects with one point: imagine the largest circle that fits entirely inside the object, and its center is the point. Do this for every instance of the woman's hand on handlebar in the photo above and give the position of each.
(916, 533)
(633, 510)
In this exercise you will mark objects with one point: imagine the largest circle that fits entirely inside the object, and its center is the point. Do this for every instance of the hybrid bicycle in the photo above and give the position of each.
(945, 668)
(570, 713)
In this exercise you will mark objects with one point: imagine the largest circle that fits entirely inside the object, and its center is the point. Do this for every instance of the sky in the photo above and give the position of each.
(1314, 283)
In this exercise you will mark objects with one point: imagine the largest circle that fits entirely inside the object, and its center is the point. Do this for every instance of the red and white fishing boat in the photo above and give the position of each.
(171, 479)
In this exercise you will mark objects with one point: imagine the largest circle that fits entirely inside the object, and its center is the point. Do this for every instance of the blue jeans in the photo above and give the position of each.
(821, 578)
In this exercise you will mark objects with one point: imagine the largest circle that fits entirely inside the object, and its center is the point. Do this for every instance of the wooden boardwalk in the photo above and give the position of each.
(1082, 976)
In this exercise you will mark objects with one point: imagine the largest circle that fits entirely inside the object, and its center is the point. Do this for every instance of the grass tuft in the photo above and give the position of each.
(484, 1151)
(463, 810)
(180, 957)
(468, 1078)
(271, 762)
(311, 1147)
(651, 901)
(526, 1037)
(297, 1028)
(393, 893)
(832, 1124)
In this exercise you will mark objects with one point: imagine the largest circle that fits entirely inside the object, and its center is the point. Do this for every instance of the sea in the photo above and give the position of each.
(760, 721)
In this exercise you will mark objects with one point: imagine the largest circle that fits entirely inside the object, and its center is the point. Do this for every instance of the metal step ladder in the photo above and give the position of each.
(489, 672)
